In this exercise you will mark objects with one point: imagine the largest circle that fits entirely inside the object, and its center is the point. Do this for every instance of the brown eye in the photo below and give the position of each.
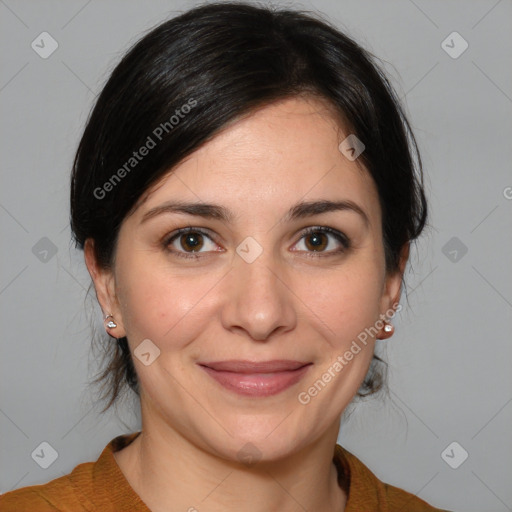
(191, 241)
(316, 241)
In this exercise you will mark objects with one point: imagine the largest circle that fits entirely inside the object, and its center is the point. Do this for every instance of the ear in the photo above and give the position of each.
(104, 284)
(393, 283)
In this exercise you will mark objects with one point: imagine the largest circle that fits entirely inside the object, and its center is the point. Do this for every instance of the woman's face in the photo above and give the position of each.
(251, 285)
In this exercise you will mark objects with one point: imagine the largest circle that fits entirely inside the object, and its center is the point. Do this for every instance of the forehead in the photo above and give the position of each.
(274, 157)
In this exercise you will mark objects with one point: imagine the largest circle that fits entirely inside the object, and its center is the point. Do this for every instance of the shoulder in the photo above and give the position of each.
(399, 498)
(98, 485)
(62, 494)
(366, 490)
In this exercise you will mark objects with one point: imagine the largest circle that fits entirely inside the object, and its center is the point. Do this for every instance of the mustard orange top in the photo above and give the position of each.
(101, 486)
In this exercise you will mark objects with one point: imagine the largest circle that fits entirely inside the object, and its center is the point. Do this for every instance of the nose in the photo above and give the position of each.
(258, 301)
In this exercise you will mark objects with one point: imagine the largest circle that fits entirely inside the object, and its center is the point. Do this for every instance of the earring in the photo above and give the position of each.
(110, 324)
(388, 331)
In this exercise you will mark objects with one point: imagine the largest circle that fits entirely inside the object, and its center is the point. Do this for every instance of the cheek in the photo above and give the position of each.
(350, 301)
(347, 308)
(160, 305)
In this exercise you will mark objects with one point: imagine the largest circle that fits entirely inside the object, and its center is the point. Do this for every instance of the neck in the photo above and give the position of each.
(167, 470)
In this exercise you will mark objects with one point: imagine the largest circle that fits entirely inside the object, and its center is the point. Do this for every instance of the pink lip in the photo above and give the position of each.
(250, 378)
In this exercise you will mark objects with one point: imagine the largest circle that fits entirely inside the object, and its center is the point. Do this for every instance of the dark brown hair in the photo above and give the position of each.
(225, 60)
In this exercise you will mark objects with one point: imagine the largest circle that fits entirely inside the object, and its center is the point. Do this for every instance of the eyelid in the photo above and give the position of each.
(339, 235)
(343, 239)
(168, 239)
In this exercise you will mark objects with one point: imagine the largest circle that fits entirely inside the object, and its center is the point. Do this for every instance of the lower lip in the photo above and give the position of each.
(257, 384)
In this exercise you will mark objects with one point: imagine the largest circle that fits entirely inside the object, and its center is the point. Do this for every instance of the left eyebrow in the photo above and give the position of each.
(310, 208)
(213, 211)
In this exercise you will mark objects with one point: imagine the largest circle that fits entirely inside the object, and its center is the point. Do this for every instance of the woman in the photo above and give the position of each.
(245, 194)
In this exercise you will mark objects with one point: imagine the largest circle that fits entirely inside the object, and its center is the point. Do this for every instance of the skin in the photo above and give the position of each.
(292, 302)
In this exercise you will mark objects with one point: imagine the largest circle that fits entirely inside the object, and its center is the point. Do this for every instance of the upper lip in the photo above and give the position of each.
(244, 366)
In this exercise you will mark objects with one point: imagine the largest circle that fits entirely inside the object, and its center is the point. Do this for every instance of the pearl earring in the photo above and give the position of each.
(388, 328)
(110, 324)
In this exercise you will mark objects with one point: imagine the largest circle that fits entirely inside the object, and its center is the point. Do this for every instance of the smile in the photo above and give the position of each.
(256, 379)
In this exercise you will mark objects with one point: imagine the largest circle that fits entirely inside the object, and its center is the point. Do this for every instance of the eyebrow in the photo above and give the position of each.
(213, 211)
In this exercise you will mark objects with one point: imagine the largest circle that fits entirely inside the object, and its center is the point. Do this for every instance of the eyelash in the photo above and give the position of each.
(340, 237)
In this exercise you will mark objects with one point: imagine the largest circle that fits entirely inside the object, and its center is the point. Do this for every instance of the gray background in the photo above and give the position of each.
(450, 358)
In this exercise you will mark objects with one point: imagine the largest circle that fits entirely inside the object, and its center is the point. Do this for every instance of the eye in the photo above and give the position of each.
(316, 240)
(188, 241)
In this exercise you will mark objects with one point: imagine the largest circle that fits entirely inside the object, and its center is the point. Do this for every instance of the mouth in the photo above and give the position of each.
(256, 379)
